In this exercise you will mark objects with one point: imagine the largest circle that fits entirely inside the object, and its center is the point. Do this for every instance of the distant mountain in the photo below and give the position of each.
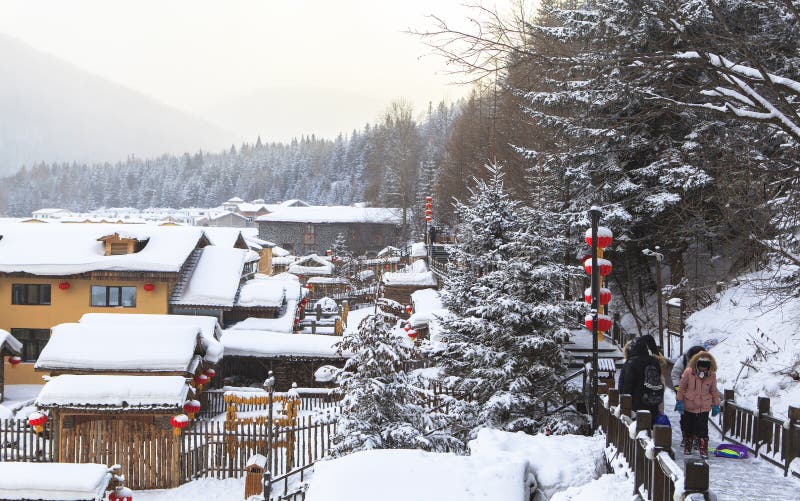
(53, 111)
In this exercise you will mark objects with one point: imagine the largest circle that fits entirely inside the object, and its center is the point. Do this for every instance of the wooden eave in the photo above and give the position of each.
(156, 276)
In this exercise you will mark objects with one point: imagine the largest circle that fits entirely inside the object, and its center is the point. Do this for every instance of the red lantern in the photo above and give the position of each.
(387, 267)
(409, 309)
(121, 494)
(148, 287)
(310, 287)
(603, 322)
(429, 199)
(428, 206)
(605, 296)
(200, 380)
(191, 407)
(63, 286)
(178, 423)
(603, 264)
(428, 212)
(407, 327)
(14, 361)
(328, 252)
(412, 335)
(427, 219)
(604, 237)
(37, 420)
(210, 373)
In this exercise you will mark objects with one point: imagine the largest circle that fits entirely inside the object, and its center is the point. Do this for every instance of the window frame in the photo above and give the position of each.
(110, 291)
(25, 294)
(27, 336)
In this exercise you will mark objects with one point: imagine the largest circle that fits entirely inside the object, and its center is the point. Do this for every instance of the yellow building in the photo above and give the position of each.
(54, 273)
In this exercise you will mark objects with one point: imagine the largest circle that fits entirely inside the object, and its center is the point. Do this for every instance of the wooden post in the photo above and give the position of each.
(643, 424)
(696, 480)
(613, 397)
(763, 427)
(625, 405)
(662, 439)
(318, 309)
(337, 327)
(313, 327)
(345, 311)
(727, 411)
(791, 439)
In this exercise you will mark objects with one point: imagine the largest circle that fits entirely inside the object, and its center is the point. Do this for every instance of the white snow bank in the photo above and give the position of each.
(335, 214)
(403, 475)
(230, 489)
(608, 487)
(55, 481)
(558, 461)
(246, 343)
(114, 391)
(28, 248)
(742, 317)
(283, 324)
(216, 278)
(419, 279)
(120, 348)
(427, 307)
(418, 249)
(209, 327)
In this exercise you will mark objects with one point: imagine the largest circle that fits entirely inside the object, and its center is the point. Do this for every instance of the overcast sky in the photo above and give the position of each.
(338, 63)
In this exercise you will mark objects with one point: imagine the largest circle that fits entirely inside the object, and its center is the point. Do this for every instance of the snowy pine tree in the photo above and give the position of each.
(503, 345)
(383, 406)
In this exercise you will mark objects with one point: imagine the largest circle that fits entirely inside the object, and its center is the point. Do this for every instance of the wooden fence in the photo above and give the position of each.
(647, 453)
(18, 441)
(774, 439)
(212, 402)
(211, 450)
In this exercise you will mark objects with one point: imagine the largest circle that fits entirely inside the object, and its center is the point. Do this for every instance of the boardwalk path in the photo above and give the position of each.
(736, 479)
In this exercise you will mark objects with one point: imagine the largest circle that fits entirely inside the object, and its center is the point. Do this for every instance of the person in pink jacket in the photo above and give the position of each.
(697, 396)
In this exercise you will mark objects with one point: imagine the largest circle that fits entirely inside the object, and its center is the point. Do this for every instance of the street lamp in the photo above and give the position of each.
(659, 258)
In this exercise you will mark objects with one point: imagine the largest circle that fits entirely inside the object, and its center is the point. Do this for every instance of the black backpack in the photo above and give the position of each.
(653, 388)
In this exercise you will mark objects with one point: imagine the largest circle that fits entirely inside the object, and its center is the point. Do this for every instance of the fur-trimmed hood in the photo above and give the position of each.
(703, 355)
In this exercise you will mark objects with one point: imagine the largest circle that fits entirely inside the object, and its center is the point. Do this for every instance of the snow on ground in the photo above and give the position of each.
(20, 480)
(609, 487)
(742, 318)
(402, 475)
(17, 397)
(230, 489)
(355, 317)
(558, 461)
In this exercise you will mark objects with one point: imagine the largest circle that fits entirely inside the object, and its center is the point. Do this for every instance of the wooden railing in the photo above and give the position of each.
(645, 453)
(774, 439)
(283, 487)
(19, 442)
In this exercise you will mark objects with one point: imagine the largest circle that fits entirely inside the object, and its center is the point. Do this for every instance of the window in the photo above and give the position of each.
(33, 342)
(30, 294)
(105, 295)
(118, 249)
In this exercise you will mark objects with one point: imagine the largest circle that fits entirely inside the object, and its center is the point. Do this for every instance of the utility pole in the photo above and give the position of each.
(594, 214)
(659, 294)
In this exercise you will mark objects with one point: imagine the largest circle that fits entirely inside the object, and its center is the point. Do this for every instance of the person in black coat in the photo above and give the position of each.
(632, 376)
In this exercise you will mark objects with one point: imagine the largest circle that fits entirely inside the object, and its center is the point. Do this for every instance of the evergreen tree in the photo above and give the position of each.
(503, 344)
(383, 406)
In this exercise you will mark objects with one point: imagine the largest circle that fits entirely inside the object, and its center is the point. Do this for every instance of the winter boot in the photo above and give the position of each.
(702, 446)
(688, 442)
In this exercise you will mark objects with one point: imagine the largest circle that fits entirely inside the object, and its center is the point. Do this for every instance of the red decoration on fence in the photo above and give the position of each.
(191, 407)
(603, 264)
(210, 373)
(412, 334)
(409, 309)
(604, 237)
(63, 286)
(37, 420)
(14, 361)
(604, 322)
(121, 494)
(148, 287)
(200, 380)
(605, 296)
(178, 423)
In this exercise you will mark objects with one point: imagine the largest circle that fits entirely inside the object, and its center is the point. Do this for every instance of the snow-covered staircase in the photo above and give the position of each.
(580, 347)
(185, 274)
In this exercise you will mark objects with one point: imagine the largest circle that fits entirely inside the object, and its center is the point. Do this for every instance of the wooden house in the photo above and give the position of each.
(399, 286)
(9, 347)
(320, 287)
(311, 266)
(115, 419)
(54, 273)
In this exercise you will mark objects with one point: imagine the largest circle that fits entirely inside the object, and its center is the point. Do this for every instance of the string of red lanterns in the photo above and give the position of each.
(604, 239)
(428, 209)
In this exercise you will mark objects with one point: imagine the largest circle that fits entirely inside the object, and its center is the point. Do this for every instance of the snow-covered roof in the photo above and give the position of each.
(216, 278)
(120, 348)
(279, 251)
(261, 344)
(9, 342)
(417, 279)
(335, 214)
(403, 474)
(214, 217)
(365, 274)
(427, 305)
(28, 248)
(49, 210)
(235, 200)
(311, 265)
(251, 207)
(263, 292)
(53, 481)
(389, 250)
(222, 236)
(209, 327)
(114, 392)
(418, 249)
(282, 324)
(327, 280)
(282, 260)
